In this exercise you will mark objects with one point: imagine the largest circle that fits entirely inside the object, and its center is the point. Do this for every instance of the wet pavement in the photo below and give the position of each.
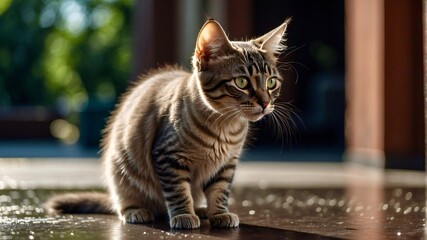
(350, 204)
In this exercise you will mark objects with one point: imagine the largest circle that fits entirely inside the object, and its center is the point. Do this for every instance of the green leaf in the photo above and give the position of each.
(4, 5)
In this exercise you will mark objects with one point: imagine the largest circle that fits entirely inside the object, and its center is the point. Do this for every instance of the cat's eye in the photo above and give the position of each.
(271, 83)
(241, 82)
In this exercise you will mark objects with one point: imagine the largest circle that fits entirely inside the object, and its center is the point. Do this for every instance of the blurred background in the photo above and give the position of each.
(64, 63)
(62, 66)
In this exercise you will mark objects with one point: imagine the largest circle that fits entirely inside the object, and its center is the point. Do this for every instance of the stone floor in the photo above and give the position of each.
(273, 200)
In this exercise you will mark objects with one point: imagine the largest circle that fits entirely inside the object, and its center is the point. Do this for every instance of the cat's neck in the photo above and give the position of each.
(213, 118)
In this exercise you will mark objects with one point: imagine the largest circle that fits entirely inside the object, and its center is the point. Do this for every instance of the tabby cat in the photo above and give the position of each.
(174, 140)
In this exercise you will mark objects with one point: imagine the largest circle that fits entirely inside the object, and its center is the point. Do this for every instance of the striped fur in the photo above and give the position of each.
(173, 142)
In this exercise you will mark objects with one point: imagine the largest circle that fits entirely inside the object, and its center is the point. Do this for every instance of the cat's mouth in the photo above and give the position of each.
(256, 114)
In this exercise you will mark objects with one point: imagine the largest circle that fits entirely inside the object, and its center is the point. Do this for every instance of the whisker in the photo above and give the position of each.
(230, 117)
(293, 69)
(293, 50)
(219, 112)
(226, 115)
(288, 106)
(297, 63)
(283, 121)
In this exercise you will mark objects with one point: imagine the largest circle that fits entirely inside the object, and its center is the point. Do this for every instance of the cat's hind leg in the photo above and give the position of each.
(137, 216)
(136, 207)
(137, 211)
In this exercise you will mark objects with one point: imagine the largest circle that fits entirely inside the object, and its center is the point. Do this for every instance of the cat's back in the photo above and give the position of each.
(140, 106)
(159, 80)
(150, 88)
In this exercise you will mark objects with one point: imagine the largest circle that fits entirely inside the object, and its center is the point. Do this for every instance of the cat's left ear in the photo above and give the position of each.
(212, 42)
(273, 42)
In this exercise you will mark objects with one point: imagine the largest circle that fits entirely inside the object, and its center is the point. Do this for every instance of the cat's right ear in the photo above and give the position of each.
(212, 42)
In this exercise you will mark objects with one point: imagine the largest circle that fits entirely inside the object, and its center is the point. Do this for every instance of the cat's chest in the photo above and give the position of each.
(225, 147)
(208, 161)
(217, 148)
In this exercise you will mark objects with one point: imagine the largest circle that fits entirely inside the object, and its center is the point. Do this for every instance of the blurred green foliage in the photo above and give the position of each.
(61, 52)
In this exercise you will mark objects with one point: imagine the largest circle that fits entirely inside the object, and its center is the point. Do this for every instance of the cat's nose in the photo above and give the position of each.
(264, 105)
(262, 98)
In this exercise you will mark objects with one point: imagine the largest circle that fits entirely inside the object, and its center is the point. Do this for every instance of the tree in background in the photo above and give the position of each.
(63, 53)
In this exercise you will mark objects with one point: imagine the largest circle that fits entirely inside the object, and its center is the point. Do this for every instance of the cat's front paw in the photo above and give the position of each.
(137, 215)
(224, 220)
(185, 221)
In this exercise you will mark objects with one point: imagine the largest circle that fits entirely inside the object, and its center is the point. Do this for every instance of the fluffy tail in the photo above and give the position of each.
(84, 202)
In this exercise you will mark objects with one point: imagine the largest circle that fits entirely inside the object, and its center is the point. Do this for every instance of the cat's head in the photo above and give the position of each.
(239, 77)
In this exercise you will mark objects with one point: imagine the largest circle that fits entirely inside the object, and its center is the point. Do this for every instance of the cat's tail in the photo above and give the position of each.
(83, 202)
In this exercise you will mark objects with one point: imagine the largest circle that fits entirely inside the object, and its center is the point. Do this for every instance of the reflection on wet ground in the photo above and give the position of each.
(265, 213)
(274, 201)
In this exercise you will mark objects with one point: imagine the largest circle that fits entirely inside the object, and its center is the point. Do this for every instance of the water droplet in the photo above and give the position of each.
(251, 212)
(246, 203)
(385, 207)
(5, 199)
(399, 233)
(396, 205)
(358, 208)
(271, 198)
(14, 195)
(408, 210)
(397, 192)
(310, 201)
(408, 196)
(285, 205)
(301, 204)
